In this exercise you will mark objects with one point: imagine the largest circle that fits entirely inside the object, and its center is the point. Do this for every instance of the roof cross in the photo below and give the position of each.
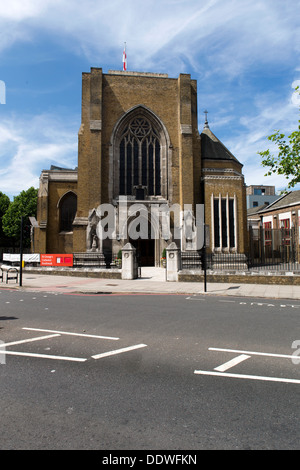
(206, 126)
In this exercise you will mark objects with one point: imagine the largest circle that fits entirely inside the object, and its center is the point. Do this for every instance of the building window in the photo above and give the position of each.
(231, 224)
(285, 226)
(140, 160)
(216, 224)
(224, 223)
(268, 233)
(67, 211)
(255, 204)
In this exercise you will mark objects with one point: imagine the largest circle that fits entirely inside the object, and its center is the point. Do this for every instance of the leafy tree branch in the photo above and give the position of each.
(287, 160)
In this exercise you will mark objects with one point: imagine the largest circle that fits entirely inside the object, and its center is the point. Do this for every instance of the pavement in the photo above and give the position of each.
(152, 281)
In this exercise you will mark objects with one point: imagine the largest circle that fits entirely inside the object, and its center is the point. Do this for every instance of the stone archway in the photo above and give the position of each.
(145, 249)
(148, 242)
(140, 157)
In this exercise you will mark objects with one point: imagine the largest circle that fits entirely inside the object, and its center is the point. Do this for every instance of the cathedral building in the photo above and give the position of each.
(140, 157)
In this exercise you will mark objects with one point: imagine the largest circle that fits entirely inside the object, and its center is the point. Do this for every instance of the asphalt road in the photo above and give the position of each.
(148, 372)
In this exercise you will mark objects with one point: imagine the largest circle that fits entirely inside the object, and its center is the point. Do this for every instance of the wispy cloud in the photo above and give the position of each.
(28, 145)
(244, 55)
(245, 32)
(270, 113)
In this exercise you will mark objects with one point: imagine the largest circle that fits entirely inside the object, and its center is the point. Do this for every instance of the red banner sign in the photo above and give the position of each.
(56, 260)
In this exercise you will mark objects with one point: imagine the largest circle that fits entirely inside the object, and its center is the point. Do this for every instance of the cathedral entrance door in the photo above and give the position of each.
(145, 251)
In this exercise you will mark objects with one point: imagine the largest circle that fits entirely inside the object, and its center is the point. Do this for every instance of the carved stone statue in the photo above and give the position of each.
(93, 241)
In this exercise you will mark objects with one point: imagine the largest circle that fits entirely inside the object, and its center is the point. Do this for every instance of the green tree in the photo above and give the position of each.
(287, 160)
(25, 204)
(4, 204)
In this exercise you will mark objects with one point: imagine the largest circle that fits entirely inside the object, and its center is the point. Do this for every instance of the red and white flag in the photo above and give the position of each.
(124, 59)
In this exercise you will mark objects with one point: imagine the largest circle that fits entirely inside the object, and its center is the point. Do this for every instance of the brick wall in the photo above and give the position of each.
(106, 98)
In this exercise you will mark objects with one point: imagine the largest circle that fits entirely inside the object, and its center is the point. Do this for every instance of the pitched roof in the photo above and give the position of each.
(290, 199)
(59, 168)
(255, 210)
(213, 149)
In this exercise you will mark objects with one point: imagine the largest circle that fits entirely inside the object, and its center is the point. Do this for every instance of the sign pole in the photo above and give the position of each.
(204, 259)
(21, 252)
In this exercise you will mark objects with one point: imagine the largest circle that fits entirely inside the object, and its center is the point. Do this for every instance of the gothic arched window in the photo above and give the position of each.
(140, 160)
(67, 212)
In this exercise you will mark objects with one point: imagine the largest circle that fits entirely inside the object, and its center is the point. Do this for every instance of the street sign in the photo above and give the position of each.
(56, 260)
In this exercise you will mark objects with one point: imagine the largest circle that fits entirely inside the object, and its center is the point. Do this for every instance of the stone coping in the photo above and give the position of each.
(183, 276)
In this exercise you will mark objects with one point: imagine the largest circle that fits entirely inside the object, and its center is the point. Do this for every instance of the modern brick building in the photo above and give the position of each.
(139, 143)
(257, 195)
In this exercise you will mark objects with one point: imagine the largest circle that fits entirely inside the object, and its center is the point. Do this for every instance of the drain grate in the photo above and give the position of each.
(101, 293)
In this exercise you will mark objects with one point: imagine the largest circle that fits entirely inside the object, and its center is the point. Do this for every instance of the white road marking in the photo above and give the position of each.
(119, 351)
(232, 363)
(28, 340)
(56, 333)
(253, 353)
(251, 377)
(261, 304)
(72, 334)
(44, 356)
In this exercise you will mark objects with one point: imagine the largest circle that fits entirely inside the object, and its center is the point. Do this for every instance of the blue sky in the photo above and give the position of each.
(243, 54)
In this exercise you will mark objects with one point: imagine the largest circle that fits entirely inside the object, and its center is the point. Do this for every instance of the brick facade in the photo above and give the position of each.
(190, 172)
(284, 214)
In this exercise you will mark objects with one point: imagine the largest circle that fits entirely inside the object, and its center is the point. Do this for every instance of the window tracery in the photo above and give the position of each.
(140, 160)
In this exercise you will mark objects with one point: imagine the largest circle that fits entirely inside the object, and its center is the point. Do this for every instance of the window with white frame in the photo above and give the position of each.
(224, 235)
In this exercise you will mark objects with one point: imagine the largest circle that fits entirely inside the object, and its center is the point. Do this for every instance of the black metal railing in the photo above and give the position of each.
(274, 249)
(191, 260)
(227, 261)
(91, 259)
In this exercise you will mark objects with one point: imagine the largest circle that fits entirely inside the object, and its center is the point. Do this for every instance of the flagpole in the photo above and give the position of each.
(124, 58)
